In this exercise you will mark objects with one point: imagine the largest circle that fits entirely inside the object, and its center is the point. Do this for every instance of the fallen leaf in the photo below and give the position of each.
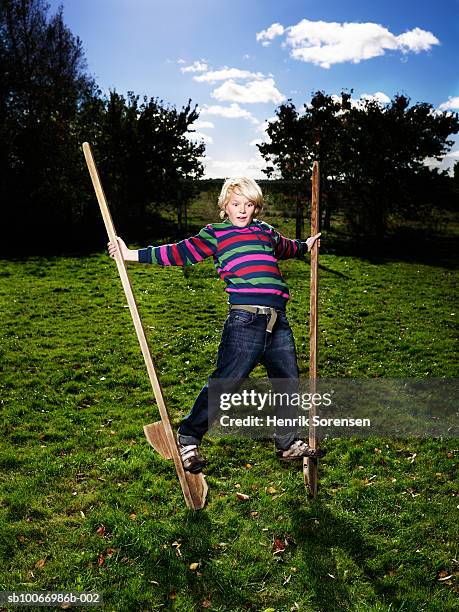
(100, 560)
(248, 465)
(271, 490)
(206, 603)
(133, 516)
(110, 552)
(242, 496)
(194, 566)
(21, 538)
(278, 546)
(254, 513)
(101, 531)
(39, 564)
(443, 575)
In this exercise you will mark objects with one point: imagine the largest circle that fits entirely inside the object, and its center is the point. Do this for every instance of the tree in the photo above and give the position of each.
(43, 82)
(385, 161)
(48, 107)
(372, 156)
(296, 141)
(145, 158)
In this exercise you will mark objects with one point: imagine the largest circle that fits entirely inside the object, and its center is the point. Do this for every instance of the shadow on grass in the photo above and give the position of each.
(323, 539)
(317, 532)
(407, 245)
(194, 533)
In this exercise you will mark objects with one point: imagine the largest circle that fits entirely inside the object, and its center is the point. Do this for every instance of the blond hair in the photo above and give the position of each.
(241, 185)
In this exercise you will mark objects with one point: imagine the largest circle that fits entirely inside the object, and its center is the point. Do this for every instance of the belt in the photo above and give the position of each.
(264, 310)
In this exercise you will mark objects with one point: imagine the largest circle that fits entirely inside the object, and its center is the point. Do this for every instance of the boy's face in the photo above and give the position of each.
(239, 209)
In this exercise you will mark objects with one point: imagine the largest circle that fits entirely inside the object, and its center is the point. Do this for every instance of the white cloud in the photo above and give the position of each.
(266, 36)
(234, 111)
(199, 136)
(417, 40)
(181, 61)
(235, 167)
(379, 96)
(264, 125)
(451, 103)
(446, 163)
(227, 73)
(195, 67)
(327, 43)
(250, 93)
(201, 125)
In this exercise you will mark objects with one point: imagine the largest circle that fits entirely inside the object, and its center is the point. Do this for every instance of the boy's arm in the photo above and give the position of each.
(310, 241)
(285, 248)
(127, 254)
(188, 251)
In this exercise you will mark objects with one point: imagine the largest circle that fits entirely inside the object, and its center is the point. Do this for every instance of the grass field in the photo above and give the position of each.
(87, 505)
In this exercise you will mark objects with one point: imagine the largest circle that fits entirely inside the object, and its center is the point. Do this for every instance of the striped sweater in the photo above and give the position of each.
(245, 259)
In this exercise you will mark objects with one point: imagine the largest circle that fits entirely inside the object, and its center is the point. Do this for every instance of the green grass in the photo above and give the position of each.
(86, 503)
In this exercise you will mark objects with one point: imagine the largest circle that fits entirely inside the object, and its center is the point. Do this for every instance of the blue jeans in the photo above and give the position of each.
(244, 344)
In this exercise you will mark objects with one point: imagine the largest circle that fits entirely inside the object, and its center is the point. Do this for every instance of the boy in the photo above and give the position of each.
(245, 252)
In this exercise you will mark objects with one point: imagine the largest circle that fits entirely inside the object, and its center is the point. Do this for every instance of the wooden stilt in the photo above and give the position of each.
(310, 464)
(159, 435)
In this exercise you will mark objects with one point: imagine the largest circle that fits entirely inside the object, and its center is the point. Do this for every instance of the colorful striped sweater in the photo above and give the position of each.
(245, 258)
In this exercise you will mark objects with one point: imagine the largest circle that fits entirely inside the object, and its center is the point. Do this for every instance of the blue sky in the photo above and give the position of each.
(239, 59)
